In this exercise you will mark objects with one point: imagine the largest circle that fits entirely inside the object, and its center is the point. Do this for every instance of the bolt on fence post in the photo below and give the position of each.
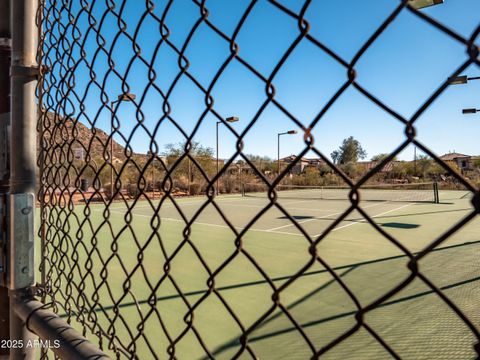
(5, 52)
(24, 74)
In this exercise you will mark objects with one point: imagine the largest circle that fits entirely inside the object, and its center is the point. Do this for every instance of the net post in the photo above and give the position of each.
(436, 193)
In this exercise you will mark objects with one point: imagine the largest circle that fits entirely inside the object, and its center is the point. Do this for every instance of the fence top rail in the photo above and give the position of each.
(62, 339)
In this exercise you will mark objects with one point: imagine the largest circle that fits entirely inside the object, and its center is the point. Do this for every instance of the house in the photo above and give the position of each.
(299, 167)
(464, 162)
(303, 164)
(316, 162)
(79, 153)
(117, 161)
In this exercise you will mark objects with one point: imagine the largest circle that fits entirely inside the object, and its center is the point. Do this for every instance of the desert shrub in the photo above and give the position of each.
(132, 190)
(196, 188)
(229, 184)
(181, 183)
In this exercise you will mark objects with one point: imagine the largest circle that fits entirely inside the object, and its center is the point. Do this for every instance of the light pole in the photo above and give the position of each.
(289, 132)
(150, 154)
(120, 98)
(230, 119)
(189, 176)
(460, 80)
(415, 159)
(420, 4)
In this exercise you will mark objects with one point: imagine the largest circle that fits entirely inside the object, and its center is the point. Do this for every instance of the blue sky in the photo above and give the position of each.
(402, 68)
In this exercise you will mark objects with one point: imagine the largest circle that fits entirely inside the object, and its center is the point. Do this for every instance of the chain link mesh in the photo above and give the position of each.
(123, 280)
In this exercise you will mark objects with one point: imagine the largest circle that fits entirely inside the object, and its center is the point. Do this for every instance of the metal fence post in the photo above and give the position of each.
(23, 163)
(5, 50)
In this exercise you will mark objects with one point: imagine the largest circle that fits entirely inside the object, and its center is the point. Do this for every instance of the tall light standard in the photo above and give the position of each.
(289, 132)
(120, 98)
(420, 4)
(230, 119)
(460, 80)
(152, 155)
(417, 5)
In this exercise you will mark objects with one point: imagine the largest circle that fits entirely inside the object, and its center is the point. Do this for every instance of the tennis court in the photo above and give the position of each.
(211, 274)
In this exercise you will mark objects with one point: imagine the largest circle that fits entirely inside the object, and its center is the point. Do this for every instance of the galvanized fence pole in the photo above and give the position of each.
(5, 51)
(21, 205)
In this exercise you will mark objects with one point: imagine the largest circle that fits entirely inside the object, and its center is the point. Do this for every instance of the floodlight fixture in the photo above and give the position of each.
(457, 80)
(232, 119)
(420, 4)
(126, 97)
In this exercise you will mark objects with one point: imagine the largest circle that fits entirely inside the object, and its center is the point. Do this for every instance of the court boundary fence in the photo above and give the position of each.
(61, 28)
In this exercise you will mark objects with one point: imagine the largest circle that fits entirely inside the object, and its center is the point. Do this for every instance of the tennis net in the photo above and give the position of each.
(418, 192)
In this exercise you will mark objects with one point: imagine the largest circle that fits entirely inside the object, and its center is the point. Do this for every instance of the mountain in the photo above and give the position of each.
(63, 136)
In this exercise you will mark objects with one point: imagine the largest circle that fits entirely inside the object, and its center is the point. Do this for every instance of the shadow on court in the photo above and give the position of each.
(400, 316)
(297, 217)
(349, 267)
(397, 225)
(407, 315)
(376, 217)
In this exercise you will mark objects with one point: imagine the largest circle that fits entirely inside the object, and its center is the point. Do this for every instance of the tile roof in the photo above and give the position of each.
(452, 156)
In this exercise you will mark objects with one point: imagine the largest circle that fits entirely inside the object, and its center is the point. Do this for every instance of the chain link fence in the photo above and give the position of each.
(124, 257)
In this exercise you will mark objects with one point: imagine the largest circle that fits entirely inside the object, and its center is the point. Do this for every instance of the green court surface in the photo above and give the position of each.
(119, 294)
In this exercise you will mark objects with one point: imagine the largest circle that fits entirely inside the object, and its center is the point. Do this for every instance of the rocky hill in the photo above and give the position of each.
(80, 142)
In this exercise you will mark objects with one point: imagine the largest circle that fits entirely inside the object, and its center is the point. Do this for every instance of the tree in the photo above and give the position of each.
(335, 155)
(349, 151)
(427, 167)
(262, 163)
(187, 173)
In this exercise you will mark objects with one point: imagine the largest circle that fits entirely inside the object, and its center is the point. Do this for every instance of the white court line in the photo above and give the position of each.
(270, 230)
(288, 207)
(170, 204)
(321, 217)
(206, 224)
(294, 234)
(166, 218)
(364, 220)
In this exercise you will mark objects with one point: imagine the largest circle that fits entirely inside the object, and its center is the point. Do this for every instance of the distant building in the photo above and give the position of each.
(464, 162)
(316, 162)
(117, 161)
(299, 167)
(79, 153)
(302, 164)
